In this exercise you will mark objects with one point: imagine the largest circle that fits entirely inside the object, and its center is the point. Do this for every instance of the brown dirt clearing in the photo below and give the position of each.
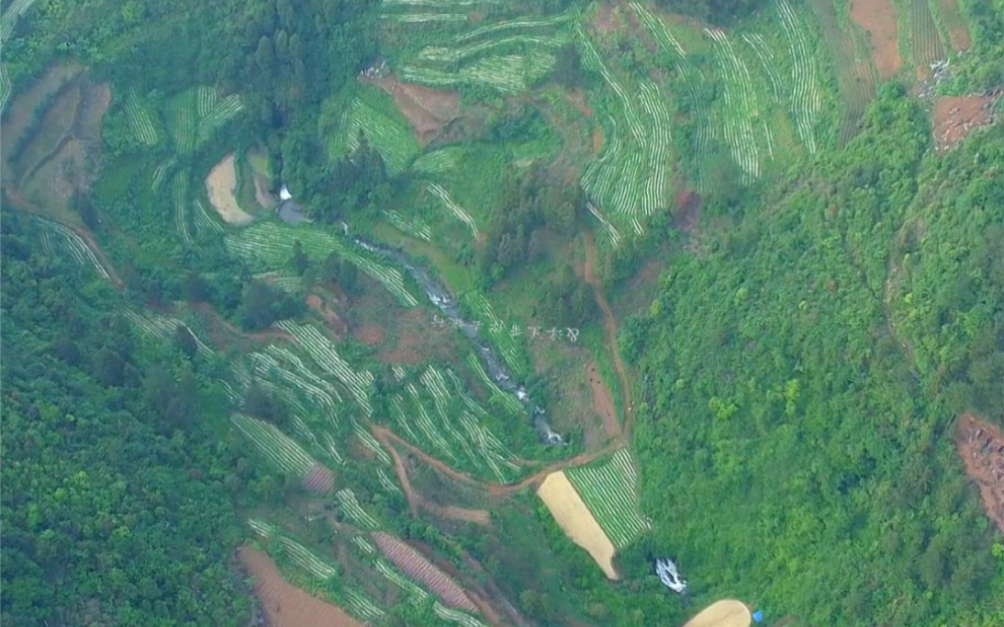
(284, 604)
(878, 18)
(981, 446)
(954, 117)
(602, 400)
(221, 186)
(597, 140)
(331, 319)
(607, 19)
(369, 334)
(427, 110)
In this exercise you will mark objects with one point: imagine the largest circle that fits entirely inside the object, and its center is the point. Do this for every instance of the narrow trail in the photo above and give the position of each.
(610, 329)
(20, 203)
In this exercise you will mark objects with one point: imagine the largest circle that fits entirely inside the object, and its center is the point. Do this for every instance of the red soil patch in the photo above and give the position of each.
(410, 341)
(602, 401)
(319, 480)
(577, 98)
(416, 566)
(958, 32)
(284, 604)
(688, 212)
(606, 19)
(597, 139)
(369, 334)
(331, 318)
(954, 117)
(878, 17)
(981, 446)
(428, 110)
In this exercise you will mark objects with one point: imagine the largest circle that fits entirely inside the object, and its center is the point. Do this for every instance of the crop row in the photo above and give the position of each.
(140, 120)
(434, 383)
(444, 54)
(454, 208)
(5, 87)
(416, 566)
(283, 353)
(521, 24)
(305, 559)
(364, 545)
(323, 351)
(79, 251)
(399, 372)
(306, 433)
(347, 500)
(370, 442)
(221, 113)
(767, 60)
(205, 100)
(179, 194)
(615, 236)
(416, 596)
(397, 404)
(656, 191)
(456, 616)
(278, 448)
(183, 122)
(315, 388)
(164, 328)
(385, 481)
(591, 59)
(438, 161)
(411, 225)
(10, 16)
(805, 99)
(421, 18)
(441, 4)
(508, 400)
(392, 140)
(740, 105)
(425, 424)
(506, 342)
(508, 74)
(160, 172)
(610, 491)
(270, 244)
(361, 606)
(262, 528)
(204, 223)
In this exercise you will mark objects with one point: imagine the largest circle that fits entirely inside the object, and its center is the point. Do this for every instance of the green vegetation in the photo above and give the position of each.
(175, 385)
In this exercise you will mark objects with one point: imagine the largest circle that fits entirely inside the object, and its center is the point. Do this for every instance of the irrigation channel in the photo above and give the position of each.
(440, 297)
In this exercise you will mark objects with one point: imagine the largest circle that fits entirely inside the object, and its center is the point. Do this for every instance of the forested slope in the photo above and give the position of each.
(804, 376)
(114, 499)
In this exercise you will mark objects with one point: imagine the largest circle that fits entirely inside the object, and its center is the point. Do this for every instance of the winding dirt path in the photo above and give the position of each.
(610, 330)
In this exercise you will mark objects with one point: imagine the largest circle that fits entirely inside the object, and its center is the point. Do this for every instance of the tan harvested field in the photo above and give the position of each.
(285, 605)
(221, 185)
(724, 613)
(575, 519)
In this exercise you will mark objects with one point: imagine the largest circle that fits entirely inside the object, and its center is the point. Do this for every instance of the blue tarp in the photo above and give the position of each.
(758, 616)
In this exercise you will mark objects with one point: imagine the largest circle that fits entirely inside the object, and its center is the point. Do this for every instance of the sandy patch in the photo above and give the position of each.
(602, 401)
(724, 613)
(284, 604)
(575, 519)
(476, 516)
(221, 185)
(954, 117)
(369, 334)
(981, 446)
(878, 17)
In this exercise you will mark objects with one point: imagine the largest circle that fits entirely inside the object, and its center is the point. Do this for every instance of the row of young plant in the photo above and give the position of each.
(55, 236)
(610, 491)
(394, 141)
(509, 74)
(268, 245)
(164, 328)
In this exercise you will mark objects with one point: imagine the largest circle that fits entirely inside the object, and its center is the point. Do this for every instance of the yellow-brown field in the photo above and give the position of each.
(724, 613)
(575, 519)
(221, 185)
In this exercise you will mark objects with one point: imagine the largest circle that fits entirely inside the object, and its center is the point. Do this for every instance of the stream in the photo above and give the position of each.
(439, 296)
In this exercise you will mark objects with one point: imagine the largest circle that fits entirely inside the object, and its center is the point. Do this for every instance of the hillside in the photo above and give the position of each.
(423, 312)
